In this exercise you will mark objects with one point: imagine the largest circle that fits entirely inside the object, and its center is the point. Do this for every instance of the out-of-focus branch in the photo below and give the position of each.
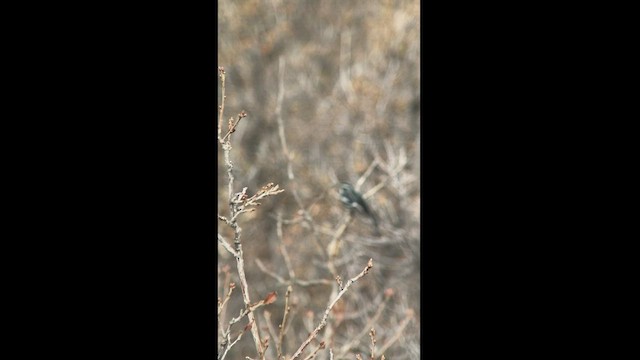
(272, 331)
(289, 156)
(366, 174)
(332, 250)
(356, 339)
(222, 303)
(315, 352)
(283, 248)
(398, 332)
(372, 335)
(374, 190)
(283, 281)
(323, 321)
(224, 97)
(226, 298)
(334, 245)
(264, 269)
(278, 112)
(394, 165)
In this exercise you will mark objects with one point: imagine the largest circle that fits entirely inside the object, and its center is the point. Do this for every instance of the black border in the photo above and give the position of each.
(126, 158)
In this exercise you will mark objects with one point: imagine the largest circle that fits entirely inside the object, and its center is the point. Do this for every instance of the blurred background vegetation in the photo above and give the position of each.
(348, 73)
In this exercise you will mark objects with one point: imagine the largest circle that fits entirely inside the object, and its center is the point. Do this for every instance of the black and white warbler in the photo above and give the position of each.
(353, 200)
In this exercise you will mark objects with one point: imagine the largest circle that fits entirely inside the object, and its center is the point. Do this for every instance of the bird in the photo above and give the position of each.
(354, 201)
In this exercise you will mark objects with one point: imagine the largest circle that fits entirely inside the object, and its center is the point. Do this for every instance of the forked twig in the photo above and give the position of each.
(323, 322)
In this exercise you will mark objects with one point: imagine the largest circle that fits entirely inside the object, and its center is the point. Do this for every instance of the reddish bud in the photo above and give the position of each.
(388, 292)
(271, 297)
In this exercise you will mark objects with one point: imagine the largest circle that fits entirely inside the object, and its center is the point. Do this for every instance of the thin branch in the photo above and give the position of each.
(272, 331)
(224, 354)
(334, 246)
(234, 125)
(288, 155)
(235, 209)
(226, 245)
(354, 340)
(264, 269)
(245, 295)
(323, 322)
(283, 140)
(226, 298)
(375, 189)
(221, 108)
(283, 281)
(366, 174)
(222, 304)
(398, 332)
(242, 314)
(283, 248)
(315, 352)
(372, 334)
(332, 250)
(287, 309)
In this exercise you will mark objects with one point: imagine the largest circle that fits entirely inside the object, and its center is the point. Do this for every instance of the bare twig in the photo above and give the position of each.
(240, 203)
(315, 352)
(270, 298)
(233, 125)
(272, 331)
(226, 245)
(288, 155)
(221, 304)
(323, 322)
(230, 345)
(282, 327)
(374, 189)
(333, 249)
(283, 140)
(355, 339)
(264, 269)
(372, 335)
(226, 298)
(247, 301)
